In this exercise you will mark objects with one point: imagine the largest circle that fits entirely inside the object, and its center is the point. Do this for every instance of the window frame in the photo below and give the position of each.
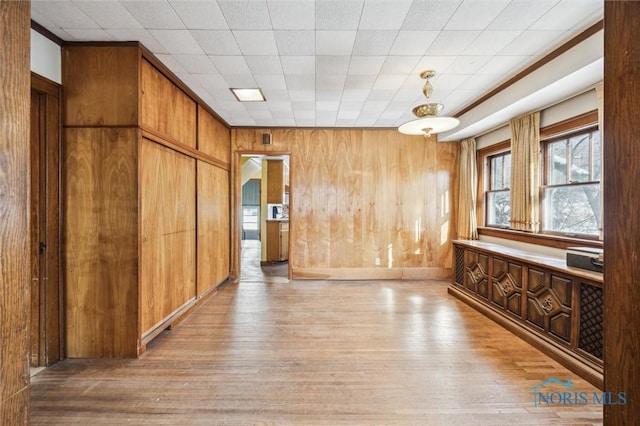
(544, 185)
(488, 191)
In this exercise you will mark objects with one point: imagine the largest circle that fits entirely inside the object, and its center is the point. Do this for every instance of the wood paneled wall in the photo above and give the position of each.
(358, 195)
(621, 223)
(14, 226)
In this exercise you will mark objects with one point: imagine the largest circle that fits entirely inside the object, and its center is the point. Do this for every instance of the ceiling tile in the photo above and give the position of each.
(171, 62)
(348, 114)
(200, 14)
(288, 122)
(476, 14)
(302, 95)
(154, 14)
(373, 43)
(298, 64)
(430, 14)
(519, 15)
(432, 62)
(270, 81)
(384, 14)
(295, 43)
(464, 65)
(484, 82)
(256, 42)
(142, 36)
(332, 64)
(389, 82)
(382, 94)
(452, 42)
(216, 42)
(399, 64)
(264, 64)
(412, 42)
(329, 95)
(246, 15)
(338, 14)
(230, 64)
(301, 81)
(533, 43)
(196, 64)
(359, 81)
(510, 65)
(108, 14)
(327, 105)
(408, 95)
(276, 94)
(213, 83)
(292, 15)
(64, 14)
(366, 65)
(326, 118)
(330, 82)
(240, 80)
(89, 34)
(491, 42)
(177, 41)
(564, 14)
(279, 106)
(335, 42)
(355, 95)
(303, 106)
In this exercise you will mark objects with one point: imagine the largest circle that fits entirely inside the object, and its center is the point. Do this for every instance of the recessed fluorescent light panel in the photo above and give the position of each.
(248, 95)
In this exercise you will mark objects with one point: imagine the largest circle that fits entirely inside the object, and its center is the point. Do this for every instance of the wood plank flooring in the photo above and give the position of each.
(317, 353)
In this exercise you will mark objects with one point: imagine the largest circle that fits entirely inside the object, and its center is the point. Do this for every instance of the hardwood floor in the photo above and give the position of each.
(317, 353)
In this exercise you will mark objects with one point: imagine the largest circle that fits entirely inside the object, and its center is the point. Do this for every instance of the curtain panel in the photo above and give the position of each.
(467, 220)
(525, 172)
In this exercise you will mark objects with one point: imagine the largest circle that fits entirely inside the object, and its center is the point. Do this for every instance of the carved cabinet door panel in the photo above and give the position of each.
(477, 273)
(549, 303)
(506, 283)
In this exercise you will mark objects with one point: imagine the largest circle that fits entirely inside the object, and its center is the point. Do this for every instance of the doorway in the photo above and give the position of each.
(45, 312)
(264, 216)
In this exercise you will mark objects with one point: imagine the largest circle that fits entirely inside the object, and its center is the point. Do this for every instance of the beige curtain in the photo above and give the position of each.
(600, 95)
(525, 172)
(467, 220)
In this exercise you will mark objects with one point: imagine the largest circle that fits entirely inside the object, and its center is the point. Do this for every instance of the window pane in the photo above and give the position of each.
(496, 173)
(498, 208)
(573, 209)
(580, 158)
(507, 171)
(596, 155)
(557, 163)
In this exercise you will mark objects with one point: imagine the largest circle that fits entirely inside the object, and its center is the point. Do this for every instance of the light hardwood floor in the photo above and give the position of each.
(317, 353)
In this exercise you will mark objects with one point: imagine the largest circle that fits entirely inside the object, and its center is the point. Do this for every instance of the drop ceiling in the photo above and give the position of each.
(320, 63)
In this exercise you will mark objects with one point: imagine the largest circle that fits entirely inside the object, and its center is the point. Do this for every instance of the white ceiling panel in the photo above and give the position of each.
(338, 14)
(330, 62)
(256, 42)
(200, 14)
(519, 15)
(374, 43)
(246, 15)
(335, 42)
(292, 15)
(295, 43)
(475, 15)
(412, 42)
(108, 14)
(452, 42)
(384, 14)
(298, 64)
(217, 42)
(154, 14)
(430, 14)
(264, 64)
(177, 42)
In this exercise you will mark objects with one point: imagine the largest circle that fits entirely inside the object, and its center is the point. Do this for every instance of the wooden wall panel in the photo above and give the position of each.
(213, 226)
(214, 138)
(101, 247)
(14, 226)
(358, 195)
(165, 109)
(168, 232)
(100, 85)
(621, 196)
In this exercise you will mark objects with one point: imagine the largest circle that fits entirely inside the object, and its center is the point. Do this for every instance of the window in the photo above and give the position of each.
(498, 198)
(571, 193)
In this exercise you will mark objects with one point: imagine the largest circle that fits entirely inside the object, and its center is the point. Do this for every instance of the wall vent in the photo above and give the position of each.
(266, 139)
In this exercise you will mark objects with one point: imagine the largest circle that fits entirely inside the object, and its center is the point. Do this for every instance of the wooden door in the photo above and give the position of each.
(45, 324)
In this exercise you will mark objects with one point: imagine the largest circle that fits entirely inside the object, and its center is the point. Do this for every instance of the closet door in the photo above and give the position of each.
(167, 233)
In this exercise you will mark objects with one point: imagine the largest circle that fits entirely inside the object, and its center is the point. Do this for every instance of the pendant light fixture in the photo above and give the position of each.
(427, 122)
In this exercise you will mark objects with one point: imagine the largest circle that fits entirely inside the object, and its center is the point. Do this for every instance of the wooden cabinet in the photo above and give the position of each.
(146, 214)
(275, 181)
(277, 241)
(556, 308)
